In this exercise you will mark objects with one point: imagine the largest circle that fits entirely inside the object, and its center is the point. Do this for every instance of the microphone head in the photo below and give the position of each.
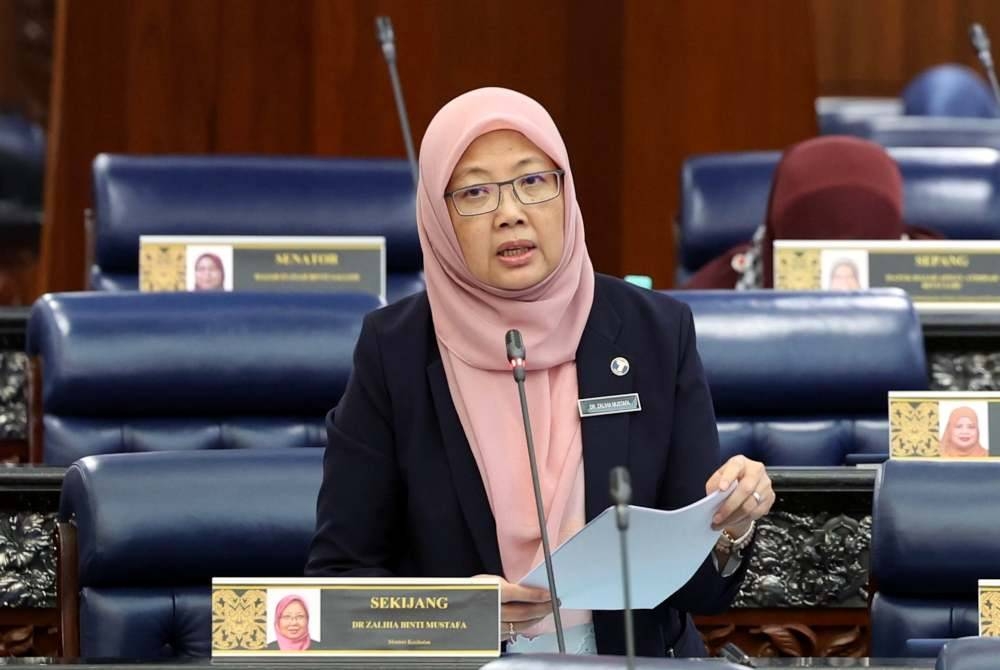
(621, 486)
(515, 346)
(383, 29)
(980, 40)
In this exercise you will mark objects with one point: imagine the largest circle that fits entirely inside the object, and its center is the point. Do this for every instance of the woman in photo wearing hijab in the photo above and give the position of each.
(209, 273)
(826, 188)
(960, 438)
(291, 625)
(427, 473)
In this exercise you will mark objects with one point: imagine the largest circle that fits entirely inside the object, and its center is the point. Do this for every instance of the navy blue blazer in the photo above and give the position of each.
(401, 492)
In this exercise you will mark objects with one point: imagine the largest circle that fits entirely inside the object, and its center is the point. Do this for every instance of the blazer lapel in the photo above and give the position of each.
(605, 438)
(465, 473)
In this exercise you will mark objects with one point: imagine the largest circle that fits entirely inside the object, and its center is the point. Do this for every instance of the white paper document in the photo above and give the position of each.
(665, 548)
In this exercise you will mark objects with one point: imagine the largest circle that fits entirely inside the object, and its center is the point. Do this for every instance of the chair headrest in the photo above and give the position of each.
(792, 353)
(185, 517)
(933, 529)
(247, 195)
(969, 653)
(151, 354)
(951, 90)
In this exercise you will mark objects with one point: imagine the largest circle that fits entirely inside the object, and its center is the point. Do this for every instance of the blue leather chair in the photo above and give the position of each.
(724, 196)
(933, 537)
(801, 378)
(949, 90)
(132, 372)
(969, 653)
(239, 195)
(142, 535)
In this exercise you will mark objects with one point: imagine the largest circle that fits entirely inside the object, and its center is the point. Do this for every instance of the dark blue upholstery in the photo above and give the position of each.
(153, 529)
(22, 161)
(802, 378)
(132, 372)
(724, 196)
(241, 195)
(933, 537)
(949, 90)
(969, 653)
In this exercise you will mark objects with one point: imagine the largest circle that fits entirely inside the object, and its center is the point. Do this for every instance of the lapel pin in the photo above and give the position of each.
(619, 366)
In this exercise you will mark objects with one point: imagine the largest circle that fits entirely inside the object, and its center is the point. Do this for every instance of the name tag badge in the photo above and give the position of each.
(609, 404)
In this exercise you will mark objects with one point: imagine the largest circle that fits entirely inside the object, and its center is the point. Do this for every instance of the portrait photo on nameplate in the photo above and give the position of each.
(355, 617)
(937, 275)
(945, 425)
(262, 264)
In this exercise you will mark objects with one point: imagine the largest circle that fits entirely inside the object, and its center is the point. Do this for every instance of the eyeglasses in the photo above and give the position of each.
(292, 618)
(529, 189)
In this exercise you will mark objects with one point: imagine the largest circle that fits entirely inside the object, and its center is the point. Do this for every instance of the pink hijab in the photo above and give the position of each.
(299, 643)
(471, 319)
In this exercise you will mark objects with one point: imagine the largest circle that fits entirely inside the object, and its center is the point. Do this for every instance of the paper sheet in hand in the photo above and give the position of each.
(665, 548)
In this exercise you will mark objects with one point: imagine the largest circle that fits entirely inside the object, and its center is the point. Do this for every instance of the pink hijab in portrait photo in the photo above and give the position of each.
(291, 624)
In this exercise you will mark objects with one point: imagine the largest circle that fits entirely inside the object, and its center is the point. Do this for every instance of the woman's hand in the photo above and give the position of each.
(751, 500)
(521, 607)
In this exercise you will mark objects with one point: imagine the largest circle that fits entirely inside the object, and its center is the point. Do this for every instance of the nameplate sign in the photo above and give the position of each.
(268, 264)
(937, 275)
(989, 607)
(948, 425)
(361, 617)
(609, 404)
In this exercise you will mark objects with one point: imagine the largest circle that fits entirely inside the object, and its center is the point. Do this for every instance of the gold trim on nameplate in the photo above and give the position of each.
(989, 610)
(913, 428)
(239, 619)
(161, 267)
(325, 246)
(797, 269)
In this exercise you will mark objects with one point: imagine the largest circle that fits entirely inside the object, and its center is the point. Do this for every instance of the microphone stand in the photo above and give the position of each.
(516, 354)
(387, 38)
(981, 43)
(621, 495)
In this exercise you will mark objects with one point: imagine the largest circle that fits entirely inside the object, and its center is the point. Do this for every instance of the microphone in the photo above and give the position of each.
(981, 43)
(516, 355)
(387, 38)
(621, 496)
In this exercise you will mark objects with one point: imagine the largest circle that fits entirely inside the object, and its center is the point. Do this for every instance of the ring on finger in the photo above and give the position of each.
(758, 497)
(511, 633)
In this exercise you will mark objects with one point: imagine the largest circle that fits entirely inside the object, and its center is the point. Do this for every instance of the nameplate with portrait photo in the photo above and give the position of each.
(263, 264)
(939, 275)
(989, 607)
(944, 425)
(355, 617)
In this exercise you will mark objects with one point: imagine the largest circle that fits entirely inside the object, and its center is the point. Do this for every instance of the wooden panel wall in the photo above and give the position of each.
(874, 47)
(724, 75)
(634, 86)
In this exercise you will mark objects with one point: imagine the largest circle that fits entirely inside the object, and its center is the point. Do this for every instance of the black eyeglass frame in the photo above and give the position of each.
(559, 172)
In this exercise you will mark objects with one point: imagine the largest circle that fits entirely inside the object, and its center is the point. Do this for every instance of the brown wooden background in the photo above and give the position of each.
(635, 86)
(873, 47)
